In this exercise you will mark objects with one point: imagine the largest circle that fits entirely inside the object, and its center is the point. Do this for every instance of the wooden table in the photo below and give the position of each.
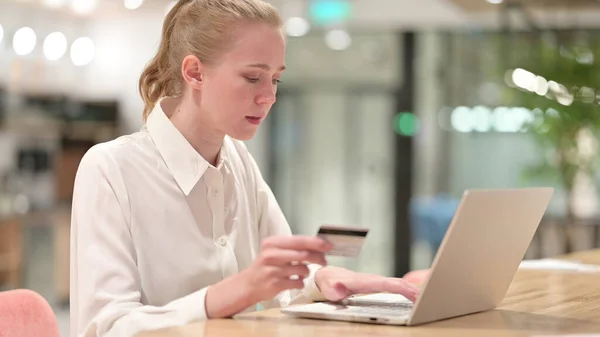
(537, 303)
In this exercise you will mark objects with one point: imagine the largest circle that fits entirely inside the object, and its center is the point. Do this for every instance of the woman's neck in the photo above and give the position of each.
(198, 132)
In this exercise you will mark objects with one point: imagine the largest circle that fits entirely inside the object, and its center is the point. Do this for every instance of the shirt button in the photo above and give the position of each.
(222, 241)
(215, 191)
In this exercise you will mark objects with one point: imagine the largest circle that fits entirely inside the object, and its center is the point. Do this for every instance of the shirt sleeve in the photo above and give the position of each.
(105, 283)
(273, 222)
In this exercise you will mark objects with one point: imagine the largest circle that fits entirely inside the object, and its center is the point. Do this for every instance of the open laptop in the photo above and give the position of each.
(473, 268)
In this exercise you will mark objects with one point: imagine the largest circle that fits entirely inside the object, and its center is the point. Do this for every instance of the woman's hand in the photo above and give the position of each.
(417, 277)
(279, 266)
(338, 283)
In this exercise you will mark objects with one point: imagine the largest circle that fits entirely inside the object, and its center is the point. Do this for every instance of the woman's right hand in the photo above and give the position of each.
(280, 265)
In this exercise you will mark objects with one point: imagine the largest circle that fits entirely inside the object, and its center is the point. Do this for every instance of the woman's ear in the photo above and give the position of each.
(191, 70)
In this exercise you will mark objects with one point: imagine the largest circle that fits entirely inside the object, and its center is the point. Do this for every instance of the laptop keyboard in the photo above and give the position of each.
(377, 309)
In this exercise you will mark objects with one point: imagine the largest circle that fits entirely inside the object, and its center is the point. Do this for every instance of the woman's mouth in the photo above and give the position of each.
(254, 120)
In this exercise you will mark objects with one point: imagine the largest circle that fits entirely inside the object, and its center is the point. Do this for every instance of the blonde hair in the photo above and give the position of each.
(203, 28)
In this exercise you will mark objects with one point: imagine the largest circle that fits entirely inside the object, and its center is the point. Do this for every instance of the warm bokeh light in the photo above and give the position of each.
(297, 26)
(133, 4)
(55, 46)
(338, 39)
(83, 51)
(24, 41)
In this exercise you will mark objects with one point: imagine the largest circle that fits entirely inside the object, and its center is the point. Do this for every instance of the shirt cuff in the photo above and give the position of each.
(191, 307)
(310, 290)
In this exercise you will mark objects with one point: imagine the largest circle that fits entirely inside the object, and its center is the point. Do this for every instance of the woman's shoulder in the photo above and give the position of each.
(112, 154)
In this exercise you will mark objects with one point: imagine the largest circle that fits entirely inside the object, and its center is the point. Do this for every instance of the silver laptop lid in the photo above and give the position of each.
(481, 251)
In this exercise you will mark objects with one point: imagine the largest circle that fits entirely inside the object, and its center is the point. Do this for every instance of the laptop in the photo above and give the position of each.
(477, 260)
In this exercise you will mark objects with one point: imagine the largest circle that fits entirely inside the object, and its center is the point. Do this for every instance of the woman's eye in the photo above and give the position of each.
(276, 82)
(252, 79)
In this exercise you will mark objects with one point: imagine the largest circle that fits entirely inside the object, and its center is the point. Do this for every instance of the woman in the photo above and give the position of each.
(175, 223)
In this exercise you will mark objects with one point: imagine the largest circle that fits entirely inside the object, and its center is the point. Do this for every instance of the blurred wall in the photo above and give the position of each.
(123, 45)
(343, 106)
(333, 138)
(429, 162)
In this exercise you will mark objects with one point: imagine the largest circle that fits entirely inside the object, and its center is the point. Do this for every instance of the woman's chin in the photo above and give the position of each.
(242, 135)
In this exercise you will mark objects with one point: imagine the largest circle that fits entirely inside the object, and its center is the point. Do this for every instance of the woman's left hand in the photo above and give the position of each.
(338, 283)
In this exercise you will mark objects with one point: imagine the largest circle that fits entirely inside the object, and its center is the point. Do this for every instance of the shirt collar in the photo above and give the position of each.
(184, 162)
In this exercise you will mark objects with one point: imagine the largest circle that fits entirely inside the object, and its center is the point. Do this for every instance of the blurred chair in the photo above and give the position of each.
(430, 218)
(25, 313)
(555, 236)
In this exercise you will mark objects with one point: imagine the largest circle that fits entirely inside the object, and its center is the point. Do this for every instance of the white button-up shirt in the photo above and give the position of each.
(154, 224)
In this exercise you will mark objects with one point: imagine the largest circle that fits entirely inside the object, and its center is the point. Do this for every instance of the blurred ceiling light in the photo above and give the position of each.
(524, 79)
(133, 4)
(170, 6)
(481, 119)
(541, 86)
(296, 26)
(586, 94)
(54, 3)
(495, 2)
(484, 119)
(83, 6)
(565, 100)
(1, 33)
(461, 119)
(55, 46)
(561, 93)
(24, 41)
(338, 39)
(504, 119)
(554, 87)
(82, 51)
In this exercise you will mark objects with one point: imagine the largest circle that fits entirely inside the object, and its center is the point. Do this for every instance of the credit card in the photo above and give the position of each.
(347, 241)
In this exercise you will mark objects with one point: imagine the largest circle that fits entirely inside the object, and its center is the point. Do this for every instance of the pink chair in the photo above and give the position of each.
(25, 313)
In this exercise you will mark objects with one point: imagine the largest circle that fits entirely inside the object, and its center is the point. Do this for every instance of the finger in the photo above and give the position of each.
(417, 276)
(285, 284)
(402, 287)
(298, 242)
(282, 257)
(300, 270)
(371, 284)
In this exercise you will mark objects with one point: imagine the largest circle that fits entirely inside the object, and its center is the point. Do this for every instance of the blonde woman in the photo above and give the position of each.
(174, 223)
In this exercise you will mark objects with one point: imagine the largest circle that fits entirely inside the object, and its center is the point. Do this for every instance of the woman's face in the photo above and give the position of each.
(238, 91)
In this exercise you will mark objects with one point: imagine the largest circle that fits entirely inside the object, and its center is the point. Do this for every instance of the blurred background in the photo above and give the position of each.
(390, 109)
